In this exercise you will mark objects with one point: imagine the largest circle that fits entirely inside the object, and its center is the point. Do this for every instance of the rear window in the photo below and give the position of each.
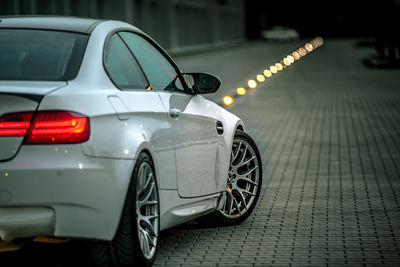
(40, 55)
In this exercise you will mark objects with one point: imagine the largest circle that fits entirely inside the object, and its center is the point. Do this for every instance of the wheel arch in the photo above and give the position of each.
(240, 127)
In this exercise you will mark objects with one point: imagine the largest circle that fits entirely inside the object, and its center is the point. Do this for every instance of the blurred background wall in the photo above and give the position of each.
(187, 25)
(175, 24)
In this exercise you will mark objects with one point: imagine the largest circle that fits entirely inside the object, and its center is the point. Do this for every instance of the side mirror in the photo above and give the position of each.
(202, 83)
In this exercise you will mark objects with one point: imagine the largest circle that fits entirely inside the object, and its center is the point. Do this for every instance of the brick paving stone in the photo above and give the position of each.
(328, 130)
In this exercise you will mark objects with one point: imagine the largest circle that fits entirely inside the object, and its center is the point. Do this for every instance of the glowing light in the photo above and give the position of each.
(319, 40)
(126, 151)
(279, 66)
(267, 73)
(290, 58)
(252, 84)
(260, 78)
(309, 47)
(286, 61)
(227, 100)
(6, 174)
(296, 55)
(80, 165)
(302, 51)
(241, 91)
(273, 69)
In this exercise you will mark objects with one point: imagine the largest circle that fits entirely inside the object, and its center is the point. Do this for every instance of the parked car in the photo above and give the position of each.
(104, 139)
(280, 34)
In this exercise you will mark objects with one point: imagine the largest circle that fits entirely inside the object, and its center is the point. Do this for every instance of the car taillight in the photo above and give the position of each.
(15, 124)
(58, 127)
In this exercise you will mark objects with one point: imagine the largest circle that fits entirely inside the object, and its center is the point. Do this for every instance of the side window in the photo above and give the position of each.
(159, 71)
(122, 67)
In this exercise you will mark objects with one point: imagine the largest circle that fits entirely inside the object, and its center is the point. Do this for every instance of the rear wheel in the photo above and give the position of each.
(135, 242)
(244, 182)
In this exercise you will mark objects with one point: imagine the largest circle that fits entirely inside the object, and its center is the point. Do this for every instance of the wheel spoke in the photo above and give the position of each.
(148, 194)
(144, 242)
(150, 203)
(148, 226)
(140, 181)
(230, 204)
(242, 198)
(247, 161)
(247, 180)
(237, 151)
(249, 171)
(245, 192)
(237, 206)
(243, 156)
(148, 180)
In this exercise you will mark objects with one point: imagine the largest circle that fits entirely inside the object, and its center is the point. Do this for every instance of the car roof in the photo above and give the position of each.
(73, 24)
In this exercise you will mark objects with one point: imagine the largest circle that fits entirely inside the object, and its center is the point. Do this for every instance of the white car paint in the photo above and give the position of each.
(78, 190)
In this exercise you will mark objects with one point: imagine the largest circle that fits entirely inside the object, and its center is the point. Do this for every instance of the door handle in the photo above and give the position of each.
(174, 112)
(220, 128)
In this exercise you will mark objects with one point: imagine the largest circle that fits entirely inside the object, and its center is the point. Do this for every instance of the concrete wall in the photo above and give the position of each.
(175, 24)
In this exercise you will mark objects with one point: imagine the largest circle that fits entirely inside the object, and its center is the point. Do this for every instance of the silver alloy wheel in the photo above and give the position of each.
(147, 210)
(243, 180)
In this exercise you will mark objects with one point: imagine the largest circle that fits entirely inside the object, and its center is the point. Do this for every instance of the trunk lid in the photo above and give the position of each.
(20, 97)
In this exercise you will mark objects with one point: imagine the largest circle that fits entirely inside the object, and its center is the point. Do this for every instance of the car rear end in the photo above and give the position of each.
(48, 186)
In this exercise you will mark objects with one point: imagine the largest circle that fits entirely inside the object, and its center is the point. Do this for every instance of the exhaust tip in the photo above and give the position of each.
(7, 246)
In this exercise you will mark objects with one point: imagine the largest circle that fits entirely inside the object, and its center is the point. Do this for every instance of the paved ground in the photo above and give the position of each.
(329, 134)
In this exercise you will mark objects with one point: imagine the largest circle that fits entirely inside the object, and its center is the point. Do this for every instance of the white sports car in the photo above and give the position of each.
(103, 138)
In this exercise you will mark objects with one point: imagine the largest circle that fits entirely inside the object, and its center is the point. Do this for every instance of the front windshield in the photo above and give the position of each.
(40, 55)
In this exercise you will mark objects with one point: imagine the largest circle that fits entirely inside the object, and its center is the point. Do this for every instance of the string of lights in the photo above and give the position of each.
(273, 69)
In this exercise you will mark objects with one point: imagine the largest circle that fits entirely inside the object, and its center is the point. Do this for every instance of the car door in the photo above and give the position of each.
(194, 134)
(140, 110)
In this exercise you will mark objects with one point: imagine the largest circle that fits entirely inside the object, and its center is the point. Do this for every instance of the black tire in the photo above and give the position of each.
(245, 198)
(126, 248)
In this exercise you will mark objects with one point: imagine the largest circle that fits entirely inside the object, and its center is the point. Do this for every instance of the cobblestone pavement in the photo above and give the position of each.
(329, 134)
(328, 130)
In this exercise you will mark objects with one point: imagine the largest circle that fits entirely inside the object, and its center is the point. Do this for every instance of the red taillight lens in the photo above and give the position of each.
(58, 127)
(15, 124)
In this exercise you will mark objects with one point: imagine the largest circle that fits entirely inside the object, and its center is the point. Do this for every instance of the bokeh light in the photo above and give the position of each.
(260, 78)
(279, 66)
(252, 84)
(241, 91)
(302, 51)
(296, 55)
(227, 100)
(286, 61)
(309, 47)
(267, 73)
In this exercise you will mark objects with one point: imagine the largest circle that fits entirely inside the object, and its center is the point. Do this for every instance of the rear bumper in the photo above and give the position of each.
(26, 222)
(58, 191)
